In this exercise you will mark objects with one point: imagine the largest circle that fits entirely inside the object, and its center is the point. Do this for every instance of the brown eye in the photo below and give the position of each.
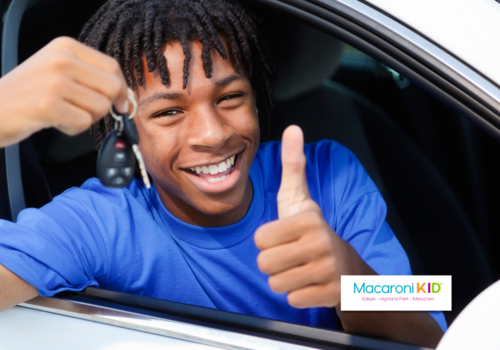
(168, 113)
(229, 97)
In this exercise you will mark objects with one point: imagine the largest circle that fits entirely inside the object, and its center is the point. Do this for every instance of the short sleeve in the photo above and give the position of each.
(55, 248)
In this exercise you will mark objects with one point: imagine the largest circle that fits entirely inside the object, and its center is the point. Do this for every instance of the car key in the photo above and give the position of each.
(116, 160)
(118, 152)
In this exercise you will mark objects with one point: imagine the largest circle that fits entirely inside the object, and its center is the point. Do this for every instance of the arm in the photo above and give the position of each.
(410, 327)
(305, 257)
(14, 290)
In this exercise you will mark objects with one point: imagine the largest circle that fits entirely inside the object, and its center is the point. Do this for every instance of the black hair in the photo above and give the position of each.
(129, 29)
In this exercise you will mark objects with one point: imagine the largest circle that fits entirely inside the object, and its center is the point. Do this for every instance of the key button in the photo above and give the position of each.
(127, 171)
(118, 181)
(120, 145)
(120, 157)
(110, 172)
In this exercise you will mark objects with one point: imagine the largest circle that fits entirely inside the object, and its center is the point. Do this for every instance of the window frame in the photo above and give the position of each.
(232, 330)
(469, 94)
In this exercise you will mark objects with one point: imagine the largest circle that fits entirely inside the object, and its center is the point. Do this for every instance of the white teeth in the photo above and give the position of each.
(213, 169)
(218, 179)
(222, 167)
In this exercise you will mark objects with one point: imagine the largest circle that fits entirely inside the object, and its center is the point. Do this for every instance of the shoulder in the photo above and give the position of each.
(333, 172)
(92, 199)
(325, 159)
(321, 150)
(94, 190)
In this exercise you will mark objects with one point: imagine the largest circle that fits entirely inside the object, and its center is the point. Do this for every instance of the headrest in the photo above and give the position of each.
(308, 57)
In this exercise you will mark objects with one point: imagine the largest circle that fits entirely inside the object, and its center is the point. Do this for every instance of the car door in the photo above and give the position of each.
(380, 36)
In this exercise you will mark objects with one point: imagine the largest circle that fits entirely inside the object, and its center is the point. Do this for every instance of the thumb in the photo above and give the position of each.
(293, 191)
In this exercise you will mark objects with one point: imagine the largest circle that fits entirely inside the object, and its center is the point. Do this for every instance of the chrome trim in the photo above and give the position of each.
(454, 70)
(159, 326)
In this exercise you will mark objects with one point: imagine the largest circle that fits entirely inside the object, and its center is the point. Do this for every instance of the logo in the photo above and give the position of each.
(397, 293)
(388, 289)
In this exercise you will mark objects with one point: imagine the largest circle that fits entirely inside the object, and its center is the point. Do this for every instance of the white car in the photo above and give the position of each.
(411, 87)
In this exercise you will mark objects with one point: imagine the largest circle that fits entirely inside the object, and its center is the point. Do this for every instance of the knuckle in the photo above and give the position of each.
(47, 105)
(332, 293)
(276, 284)
(83, 122)
(263, 263)
(113, 66)
(101, 108)
(324, 243)
(328, 268)
(316, 247)
(315, 218)
(115, 85)
(55, 85)
(59, 61)
(63, 41)
(295, 300)
(260, 238)
(309, 220)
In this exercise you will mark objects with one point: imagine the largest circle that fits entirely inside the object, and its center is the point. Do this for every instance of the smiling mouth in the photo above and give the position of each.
(215, 172)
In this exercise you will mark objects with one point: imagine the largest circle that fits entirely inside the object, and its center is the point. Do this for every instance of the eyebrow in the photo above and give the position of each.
(173, 96)
(228, 80)
(161, 96)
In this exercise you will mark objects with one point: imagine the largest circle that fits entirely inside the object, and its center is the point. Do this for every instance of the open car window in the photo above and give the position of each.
(428, 141)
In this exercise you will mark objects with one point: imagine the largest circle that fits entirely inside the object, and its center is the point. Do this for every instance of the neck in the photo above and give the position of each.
(191, 215)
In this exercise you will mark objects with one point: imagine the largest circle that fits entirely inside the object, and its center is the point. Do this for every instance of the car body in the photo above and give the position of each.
(436, 126)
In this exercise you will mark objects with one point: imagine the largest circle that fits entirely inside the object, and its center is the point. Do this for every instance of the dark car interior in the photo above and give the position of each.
(436, 170)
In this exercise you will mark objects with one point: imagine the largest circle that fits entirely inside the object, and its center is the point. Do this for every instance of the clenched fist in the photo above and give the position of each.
(65, 85)
(302, 254)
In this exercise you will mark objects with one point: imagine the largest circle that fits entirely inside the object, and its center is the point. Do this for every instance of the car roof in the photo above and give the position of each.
(467, 29)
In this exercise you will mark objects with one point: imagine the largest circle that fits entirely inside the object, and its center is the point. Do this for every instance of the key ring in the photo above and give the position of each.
(118, 118)
(131, 98)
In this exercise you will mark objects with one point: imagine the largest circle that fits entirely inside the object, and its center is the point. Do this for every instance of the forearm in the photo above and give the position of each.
(409, 327)
(13, 289)
(418, 328)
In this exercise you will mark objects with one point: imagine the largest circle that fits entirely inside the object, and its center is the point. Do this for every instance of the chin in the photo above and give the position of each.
(220, 208)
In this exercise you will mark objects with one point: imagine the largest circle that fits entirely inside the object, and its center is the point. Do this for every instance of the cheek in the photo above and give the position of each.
(245, 123)
(158, 147)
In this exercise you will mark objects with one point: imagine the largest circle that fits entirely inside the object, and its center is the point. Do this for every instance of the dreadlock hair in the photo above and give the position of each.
(129, 29)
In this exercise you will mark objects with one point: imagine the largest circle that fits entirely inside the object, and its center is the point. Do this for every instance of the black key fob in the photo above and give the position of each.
(130, 130)
(115, 160)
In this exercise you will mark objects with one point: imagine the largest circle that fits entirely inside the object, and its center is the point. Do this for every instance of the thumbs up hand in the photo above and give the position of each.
(302, 254)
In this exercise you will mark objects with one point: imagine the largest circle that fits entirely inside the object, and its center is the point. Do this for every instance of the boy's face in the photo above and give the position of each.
(211, 126)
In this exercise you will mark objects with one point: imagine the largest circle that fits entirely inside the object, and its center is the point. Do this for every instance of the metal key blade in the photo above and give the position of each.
(142, 166)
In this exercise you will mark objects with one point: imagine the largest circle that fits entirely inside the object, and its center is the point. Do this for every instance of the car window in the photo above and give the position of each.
(436, 170)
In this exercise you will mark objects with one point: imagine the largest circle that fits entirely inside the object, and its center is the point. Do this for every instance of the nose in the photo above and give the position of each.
(208, 130)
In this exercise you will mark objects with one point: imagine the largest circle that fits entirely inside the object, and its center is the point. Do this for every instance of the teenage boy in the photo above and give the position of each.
(228, 224)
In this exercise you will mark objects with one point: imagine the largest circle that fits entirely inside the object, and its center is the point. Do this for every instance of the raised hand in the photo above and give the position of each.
(65, 85)
(302, 254)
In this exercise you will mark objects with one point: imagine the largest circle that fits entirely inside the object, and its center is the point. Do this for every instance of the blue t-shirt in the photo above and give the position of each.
(126, 240)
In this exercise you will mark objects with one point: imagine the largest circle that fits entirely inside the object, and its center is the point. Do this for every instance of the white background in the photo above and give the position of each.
(351, 301)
